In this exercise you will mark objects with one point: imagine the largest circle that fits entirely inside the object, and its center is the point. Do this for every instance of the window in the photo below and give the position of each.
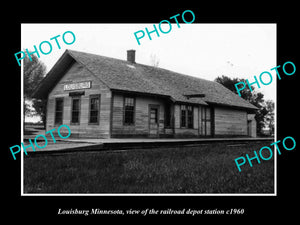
(183, 116)
(75, 110)
(59, 106)
(208, 121)
(153, 115)
(129, 111)
(190, 117)
(94, 109)
(167, 115)
(187, 116)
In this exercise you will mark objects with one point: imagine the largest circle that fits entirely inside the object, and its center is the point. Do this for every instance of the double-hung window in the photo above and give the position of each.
(59, 106)
(183, 116)
(94, 109)
(129, 105)
(186, 116)
(75, 114)
(190, 117)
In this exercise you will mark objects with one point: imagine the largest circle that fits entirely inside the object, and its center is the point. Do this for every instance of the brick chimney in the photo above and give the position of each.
(131, 56)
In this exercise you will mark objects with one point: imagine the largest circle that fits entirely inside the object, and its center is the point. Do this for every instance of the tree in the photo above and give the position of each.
(230, 82)
(256, 98)
(269, 120)
(33, 72)
(154, 60)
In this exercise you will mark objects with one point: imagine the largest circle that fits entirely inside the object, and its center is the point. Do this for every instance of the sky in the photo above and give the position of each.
(201, 50)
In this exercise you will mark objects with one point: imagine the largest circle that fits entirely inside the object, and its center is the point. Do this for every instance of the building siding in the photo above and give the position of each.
(77, 73)
(230, 121)
(186, 132)
(216, 111)
(141, 121)
(227, 121)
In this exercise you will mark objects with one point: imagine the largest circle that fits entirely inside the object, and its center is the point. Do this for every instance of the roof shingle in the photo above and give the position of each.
(122, 75)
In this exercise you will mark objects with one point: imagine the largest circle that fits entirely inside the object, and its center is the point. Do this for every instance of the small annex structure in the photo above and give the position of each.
(102, 97)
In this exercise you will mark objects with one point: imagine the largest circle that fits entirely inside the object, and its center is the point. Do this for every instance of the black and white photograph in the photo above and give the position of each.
(107, 115)
(132, 112)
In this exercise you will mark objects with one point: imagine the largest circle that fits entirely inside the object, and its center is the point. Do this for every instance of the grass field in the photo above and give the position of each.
(208, 168)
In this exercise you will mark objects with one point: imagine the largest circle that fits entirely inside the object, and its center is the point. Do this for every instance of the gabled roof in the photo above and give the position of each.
(133, 77)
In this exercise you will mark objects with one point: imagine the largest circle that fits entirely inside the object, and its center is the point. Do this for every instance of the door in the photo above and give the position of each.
(249, 125)
(153, 120)
(207, 121)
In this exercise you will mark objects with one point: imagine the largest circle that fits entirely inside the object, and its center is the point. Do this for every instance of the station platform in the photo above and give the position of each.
(72, 145)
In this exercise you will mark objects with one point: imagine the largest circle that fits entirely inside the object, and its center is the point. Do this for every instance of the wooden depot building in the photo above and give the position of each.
(102, 97)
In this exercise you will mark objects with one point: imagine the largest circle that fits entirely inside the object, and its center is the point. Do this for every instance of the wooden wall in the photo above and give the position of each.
(227, 121)
(77, 73)
(224, 121)
(186, 132)
(141, 125)
(230, 121)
